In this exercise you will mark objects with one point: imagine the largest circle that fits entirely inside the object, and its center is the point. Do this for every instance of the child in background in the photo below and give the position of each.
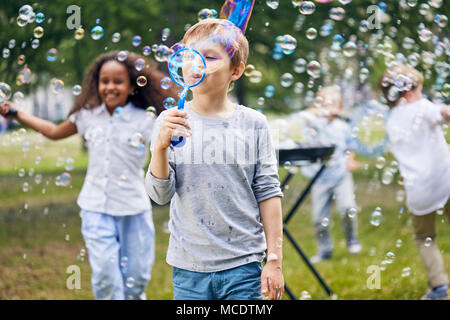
(225, 208)
(116, 214)
(418, 143)
(336, 180)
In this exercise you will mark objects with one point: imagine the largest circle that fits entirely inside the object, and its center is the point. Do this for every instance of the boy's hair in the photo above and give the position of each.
(143, 97)
(225, 33)
(397, 81)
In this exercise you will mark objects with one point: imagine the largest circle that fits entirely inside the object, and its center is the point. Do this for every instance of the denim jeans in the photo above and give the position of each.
(240, 283)
(121, 253)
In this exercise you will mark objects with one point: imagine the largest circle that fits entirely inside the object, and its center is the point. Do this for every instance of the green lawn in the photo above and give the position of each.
(40, 232)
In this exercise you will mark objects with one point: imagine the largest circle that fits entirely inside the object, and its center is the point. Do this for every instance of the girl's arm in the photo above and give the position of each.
(47, 128)
(272, 280)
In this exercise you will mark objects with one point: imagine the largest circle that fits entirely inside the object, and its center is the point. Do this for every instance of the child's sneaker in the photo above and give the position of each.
(320, 257)
(437, 293)
(354, 247)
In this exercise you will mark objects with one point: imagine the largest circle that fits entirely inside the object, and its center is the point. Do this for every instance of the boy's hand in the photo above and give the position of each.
(174, 124)
(272, 281)
(7, 109)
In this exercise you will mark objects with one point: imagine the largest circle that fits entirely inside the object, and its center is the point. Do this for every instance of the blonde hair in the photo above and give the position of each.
(225, 33)
(397, 81)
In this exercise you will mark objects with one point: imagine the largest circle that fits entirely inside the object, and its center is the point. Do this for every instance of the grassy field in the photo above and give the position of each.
(40, 232)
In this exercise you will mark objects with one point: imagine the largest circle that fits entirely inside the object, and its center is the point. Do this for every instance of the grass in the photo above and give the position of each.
(40, 233)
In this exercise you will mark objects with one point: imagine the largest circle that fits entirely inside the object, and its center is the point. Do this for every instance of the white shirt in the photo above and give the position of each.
(417, 141)
(118, 145)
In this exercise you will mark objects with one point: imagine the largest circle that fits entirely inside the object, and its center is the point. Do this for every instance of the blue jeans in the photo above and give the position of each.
(121, 253)
(240, 283)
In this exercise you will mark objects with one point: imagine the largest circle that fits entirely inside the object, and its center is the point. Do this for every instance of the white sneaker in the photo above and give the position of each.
(354, 248)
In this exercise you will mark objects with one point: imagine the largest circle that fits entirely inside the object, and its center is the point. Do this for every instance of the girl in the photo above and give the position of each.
(111, 114)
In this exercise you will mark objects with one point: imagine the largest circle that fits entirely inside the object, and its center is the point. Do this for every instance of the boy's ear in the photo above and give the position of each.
(238, 71)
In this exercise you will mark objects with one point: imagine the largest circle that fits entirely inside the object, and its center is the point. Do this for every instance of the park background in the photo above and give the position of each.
(39, 220)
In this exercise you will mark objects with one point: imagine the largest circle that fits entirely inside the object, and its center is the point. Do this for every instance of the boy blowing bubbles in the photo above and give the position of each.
(223, 183)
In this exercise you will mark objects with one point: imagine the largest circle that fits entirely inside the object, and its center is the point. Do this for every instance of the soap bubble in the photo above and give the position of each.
(350, 49)
(56, 85)
(300, 65)
(204, 14)
(139, 64)
(307, 7)
(76, 90)
(122, 55)
(389, 257)
(166, 83)
(136, 139)
(63, 180)
(40, 17)
(115, 37)
(255, 76)
(286, 80)
(136, 41)
(163, 53)
(69, 164)
(52, 55)
(38, 32)
(269, 91)
(97, 32)
(313, 69)
(387, 176)
(305, 295)
(311, 33)
(273, 4)
(79, 34)
(130, 282)
(151, 111)
(428, 242)
(169, 103)
(5, 92)
(375, 217)
(146, 51)
(141, 81)
(337, 13)
(406, 272)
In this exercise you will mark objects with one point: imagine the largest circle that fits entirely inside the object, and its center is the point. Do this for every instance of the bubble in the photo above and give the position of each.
(248, 70)
(425, 34)
(351, 213)
(387, 176)
(52, 55)
(79, 34)
(139, 64)
(63, 180)
(441, 20)
(118, 111)
(22, 21)
(124, 262)
(337, 13)
(122, 55)
(21, 172)
(350, 49)
(163, 53)
(398, 243)
(255, 76)
(25, 146)
(130, 282)
(428, 242)
(273, 4)
(38, 32)
(204, 14)
(38, 178)
(97, 32)
(313, 68)
(136, 41)
(287, 80)
(136, 139)
(269, 91)
(40, 17)
(56, 85)
(5, 92)
(115, 37)
(35, 43)
(389, 257)
(287, 43)
(435, 3)
(325, 222)
(76, 90)
(375, 217)
(406, 272)
(424, 9)
(69, 164)
(305, 295)
(141, 81)
(307, 7)
(25, 187)
(169, 102)
(166, 83)
(412, 3)
(311, 33)
(400, 196)
(300, 65)
(146, 51)
(18, 96)
(151, 111)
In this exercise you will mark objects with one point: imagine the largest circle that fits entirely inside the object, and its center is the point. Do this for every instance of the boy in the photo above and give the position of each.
(419, 145)
(336, 180)
(223, 183)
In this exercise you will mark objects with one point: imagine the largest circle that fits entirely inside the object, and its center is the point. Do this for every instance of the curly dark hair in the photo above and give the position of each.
(149, 95)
